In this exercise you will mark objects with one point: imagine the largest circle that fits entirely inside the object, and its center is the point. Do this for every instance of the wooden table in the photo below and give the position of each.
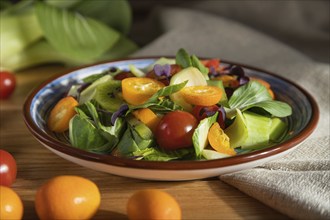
(200, 199)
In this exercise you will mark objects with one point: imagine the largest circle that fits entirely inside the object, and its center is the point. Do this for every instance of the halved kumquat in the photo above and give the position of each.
(202, 95)
(219, 141)
(61, 114)
(137, 90)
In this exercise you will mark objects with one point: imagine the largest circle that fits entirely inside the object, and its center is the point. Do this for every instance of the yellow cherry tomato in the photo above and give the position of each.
(137, 90)
(11, 206)
(202, 95)
(67, 197)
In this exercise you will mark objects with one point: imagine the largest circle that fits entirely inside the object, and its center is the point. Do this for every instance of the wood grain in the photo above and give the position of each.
(201, 199)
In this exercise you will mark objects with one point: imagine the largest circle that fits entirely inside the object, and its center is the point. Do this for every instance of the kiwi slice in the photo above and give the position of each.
(109, 95)
(89, 93)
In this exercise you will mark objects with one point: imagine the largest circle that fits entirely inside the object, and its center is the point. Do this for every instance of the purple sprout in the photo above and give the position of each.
(120, 112)
(162, 70)
(213, 72)
(243, 80)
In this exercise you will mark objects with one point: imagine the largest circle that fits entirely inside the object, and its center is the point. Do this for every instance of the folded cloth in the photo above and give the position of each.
(298, 184)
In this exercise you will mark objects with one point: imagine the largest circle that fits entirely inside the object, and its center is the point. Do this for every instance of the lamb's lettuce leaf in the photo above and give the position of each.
(111, 133)
(84, 135)
(89, 130)
(137, 137)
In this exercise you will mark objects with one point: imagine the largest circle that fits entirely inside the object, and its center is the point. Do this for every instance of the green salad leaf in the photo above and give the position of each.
(166, 91)
(136, 138)
(78, 37)
(182, 58)
(111, 133)
(88, 131)
(84, 135)
(253, 94)
(199, 137)
(155, 154)
(198, 64)
(185, 60)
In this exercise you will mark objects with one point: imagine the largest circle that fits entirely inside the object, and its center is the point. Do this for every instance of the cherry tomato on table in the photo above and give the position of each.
(7, 84)
(175, 130)
(8, 168)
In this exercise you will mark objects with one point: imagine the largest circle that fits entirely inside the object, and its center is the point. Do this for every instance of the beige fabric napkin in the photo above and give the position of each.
(298, 184)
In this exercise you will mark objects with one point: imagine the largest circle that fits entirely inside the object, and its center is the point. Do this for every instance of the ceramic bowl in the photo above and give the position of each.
(301, 124)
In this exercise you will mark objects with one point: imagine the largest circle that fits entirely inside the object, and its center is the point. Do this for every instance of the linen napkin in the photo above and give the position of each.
(298, 184)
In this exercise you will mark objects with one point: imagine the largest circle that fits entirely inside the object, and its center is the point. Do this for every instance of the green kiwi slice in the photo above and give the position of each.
(108, 95)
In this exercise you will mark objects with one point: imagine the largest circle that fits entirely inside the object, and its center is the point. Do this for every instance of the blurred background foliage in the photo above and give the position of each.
(71, 32)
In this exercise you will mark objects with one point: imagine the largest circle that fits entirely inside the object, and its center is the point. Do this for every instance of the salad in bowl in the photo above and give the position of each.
(175, 109)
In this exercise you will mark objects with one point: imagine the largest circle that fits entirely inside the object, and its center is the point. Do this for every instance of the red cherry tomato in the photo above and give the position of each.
(8, 168)
(201, 112)
(212, 63)
(175, 130)
(7, 84)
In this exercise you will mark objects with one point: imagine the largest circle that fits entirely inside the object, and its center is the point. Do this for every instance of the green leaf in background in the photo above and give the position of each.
(4, 4)
(115, 13)
(78, 37)
(7, 7)
(122, 48)
(63, 3)
(35, 54)
(17, 32)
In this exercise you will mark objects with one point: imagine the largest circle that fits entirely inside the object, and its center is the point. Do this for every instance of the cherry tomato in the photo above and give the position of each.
(201, 112)
(8, 168)
(7, 84)
(212, 63)
(175, 130)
